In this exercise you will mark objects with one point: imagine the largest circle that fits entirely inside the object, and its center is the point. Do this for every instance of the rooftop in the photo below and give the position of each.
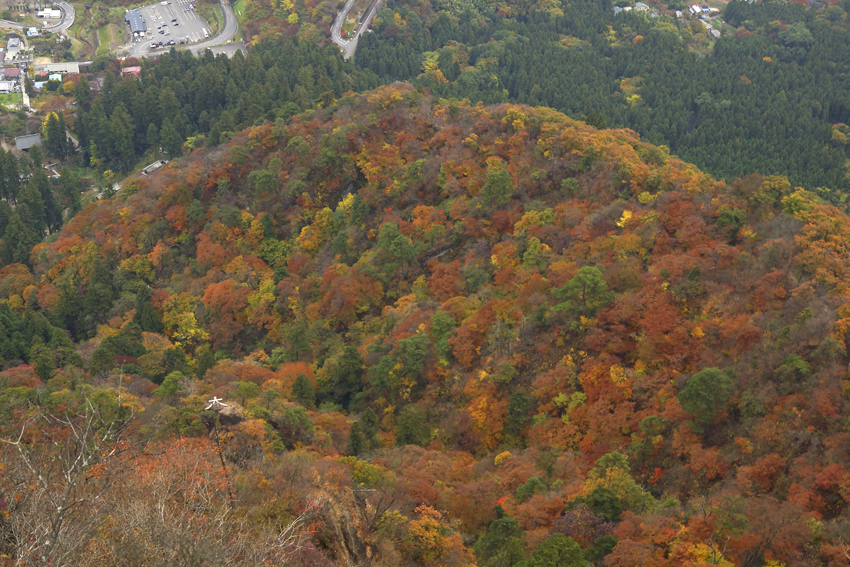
(66, 67)
(26, 142)
(136, 22)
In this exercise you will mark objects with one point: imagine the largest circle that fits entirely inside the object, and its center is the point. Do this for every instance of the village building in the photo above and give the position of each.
(137, 24)
(24, 143)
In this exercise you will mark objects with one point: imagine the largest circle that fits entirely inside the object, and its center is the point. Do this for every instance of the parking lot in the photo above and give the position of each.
(171, 22)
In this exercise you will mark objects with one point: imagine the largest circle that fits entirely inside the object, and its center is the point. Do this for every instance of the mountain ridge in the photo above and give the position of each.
(516, 321)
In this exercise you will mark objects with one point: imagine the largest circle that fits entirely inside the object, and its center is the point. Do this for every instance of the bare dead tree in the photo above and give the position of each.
(296, 535)
(845, 548)
(60, 464)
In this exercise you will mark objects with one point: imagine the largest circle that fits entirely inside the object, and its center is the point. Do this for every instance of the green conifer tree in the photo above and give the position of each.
(303, 392)
(146, 316)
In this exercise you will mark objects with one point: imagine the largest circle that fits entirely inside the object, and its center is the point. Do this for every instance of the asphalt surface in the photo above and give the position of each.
(68, 16)
(349, 45)
(228, 49)
(228, 29)
(191, 28)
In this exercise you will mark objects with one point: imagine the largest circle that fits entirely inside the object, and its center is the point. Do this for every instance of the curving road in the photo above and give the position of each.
(68, 17)
(348, 46)
(228, 29)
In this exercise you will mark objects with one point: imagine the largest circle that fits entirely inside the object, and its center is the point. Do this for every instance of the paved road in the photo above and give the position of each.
(13, 25)
(229, 49)
(68, 17)
(348, 46)
(347, 50)
(228, 29)
(25, 99)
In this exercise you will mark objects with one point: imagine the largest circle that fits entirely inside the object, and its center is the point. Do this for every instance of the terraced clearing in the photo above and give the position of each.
(109, 37)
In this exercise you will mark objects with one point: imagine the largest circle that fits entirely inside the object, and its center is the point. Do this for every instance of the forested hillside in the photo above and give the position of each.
(769, 97)
(181, 99)
(445, 334)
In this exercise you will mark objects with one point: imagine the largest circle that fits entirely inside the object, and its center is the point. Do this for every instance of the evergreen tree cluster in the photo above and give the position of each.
(206, 98)
(764, 100)
(29, 209)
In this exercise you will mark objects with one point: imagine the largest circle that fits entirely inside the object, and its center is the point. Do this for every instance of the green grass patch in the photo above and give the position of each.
(103, 38)
(78, 48)
(116, 36)
(219, 18)
(211, 15)
(11, 98)
(240, 8)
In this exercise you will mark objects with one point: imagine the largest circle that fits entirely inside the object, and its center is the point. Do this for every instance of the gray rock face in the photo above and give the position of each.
(229, 413)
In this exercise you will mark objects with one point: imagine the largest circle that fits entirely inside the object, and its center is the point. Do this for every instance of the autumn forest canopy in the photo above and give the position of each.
(763, 98)
(439, 322)
(447, 334)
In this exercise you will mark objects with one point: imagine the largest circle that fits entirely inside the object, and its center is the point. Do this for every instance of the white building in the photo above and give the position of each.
(62, 68)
